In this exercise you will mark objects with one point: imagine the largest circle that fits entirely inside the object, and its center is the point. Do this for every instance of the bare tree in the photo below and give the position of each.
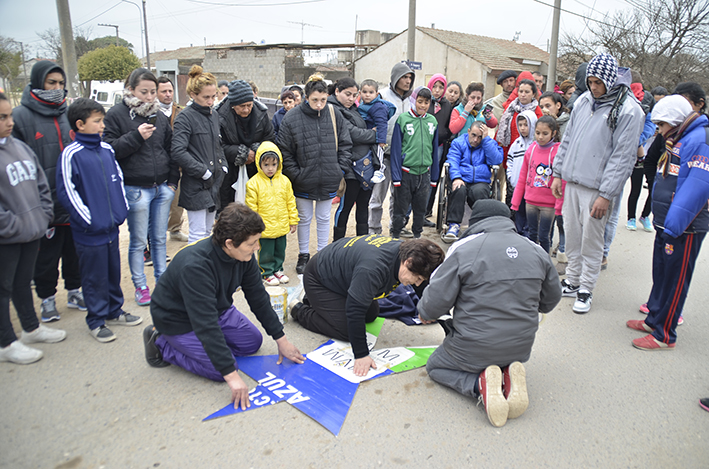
(667, 41)
(52, 46)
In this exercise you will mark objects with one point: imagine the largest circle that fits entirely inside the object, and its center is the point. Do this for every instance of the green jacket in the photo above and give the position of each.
(414, 146)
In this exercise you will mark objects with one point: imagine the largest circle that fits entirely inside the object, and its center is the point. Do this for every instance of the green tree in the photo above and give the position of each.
(101, 42)
(10, 64)
(110, 63)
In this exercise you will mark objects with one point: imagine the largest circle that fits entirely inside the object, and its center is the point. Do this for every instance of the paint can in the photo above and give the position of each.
(279, 300)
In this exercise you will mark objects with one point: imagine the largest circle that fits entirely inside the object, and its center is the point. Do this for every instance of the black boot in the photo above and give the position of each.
(152, 353)
(362, 229)
(302, 261)
(338, 233)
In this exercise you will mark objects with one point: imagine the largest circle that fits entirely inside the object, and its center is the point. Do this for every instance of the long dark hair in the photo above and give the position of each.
(694, 92)
(138, 75)
(552, 124)
(556, 97)
(342, 84)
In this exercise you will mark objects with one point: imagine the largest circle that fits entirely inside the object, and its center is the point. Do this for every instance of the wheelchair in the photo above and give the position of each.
(445, 189)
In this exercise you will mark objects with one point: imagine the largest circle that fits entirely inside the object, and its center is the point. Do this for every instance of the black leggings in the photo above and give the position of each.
(17, 261)
(636, 186)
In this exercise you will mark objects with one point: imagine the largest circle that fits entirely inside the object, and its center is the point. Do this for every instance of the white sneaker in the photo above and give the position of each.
(378, 177)
(583, 302)
(561, 258)
(282, 278)
(271, 280)
(43, 334)
(19, 353)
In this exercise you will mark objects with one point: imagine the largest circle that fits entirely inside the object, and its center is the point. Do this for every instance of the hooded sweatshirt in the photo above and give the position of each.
(390, 94)
(272, 197)
(516, 154)
(45, 128)
(580, 85)
(25, 199)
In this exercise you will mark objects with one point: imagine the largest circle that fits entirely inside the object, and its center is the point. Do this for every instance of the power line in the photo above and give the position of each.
(89, 20)
(255, 4)
(581, 16)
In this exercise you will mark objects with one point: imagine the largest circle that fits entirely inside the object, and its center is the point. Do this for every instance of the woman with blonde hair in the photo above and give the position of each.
(198, 151)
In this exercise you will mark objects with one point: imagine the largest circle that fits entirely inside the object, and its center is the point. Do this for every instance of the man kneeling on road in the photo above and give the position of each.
(197, 326)
(497, 283)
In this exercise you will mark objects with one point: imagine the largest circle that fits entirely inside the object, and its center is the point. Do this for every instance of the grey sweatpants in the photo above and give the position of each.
(443, 369)
(584, 235)
(376, 202)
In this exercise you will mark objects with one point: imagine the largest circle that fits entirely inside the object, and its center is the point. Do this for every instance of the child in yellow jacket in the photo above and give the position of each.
(270, 194)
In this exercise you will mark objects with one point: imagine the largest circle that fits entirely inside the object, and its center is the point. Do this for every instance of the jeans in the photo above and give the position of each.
(149, 209)
(540, 220)
(354, 194)
(200, 222)
(612, 224)
(322, 217)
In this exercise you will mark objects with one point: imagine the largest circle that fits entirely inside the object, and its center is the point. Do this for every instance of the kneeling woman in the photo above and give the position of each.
(197, 326)
(343, 282)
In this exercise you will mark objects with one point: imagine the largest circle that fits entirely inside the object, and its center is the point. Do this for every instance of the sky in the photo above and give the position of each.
(181, 23)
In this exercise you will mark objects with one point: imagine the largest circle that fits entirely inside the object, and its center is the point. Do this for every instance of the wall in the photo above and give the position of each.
(265, 67)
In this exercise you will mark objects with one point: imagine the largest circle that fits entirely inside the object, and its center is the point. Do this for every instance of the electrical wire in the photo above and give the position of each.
(89, 20)
(254, 4)
(580, 16)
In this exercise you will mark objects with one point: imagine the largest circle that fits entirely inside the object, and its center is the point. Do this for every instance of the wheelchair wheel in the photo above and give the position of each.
(495, 184)
(443, 193)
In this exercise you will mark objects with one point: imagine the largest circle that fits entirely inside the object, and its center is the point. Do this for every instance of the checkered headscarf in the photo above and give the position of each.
(605, 67)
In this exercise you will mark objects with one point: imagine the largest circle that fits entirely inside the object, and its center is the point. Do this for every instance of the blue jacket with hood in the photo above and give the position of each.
(472, 164)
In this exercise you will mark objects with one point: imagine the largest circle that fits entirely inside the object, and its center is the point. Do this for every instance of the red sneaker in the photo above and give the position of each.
(638, 325)
(643, 309)
(650, 344)
(514, 388)
(490, 387)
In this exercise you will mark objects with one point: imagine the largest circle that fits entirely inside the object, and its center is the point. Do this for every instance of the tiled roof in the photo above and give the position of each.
(498, 54)
(187, 53)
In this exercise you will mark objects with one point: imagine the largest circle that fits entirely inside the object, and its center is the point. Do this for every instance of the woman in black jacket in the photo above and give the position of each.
(141, 137)
(316, 155)
(342, 98)
(243, 127)
(198, 151)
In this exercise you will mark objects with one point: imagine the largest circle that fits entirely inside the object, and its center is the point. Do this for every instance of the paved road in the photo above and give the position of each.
(595, 400)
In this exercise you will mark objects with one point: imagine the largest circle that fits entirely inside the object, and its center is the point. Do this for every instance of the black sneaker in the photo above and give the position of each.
(428, 223)
(446, 324)
(152, 353)
(302, 262)
(147, 257)
(567, 289)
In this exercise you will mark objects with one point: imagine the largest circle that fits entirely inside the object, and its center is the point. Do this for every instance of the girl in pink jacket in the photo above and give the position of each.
(534, 185)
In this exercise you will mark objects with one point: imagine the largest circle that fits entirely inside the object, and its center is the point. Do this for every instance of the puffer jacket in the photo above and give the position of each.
(314, 159)
(236, 151)
(272, 198)
(479, 270)
(143, 162)
(472, 164)
(196, 148)
(592, 155)
(679, 199)
(45, 128)
(363, 139)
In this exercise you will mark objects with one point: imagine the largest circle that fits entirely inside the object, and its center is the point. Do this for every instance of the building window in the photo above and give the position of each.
(221, 54)
(260, 53)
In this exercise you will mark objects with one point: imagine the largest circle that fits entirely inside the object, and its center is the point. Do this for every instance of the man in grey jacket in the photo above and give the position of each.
(497, 283)
(596, 157)
(397, 93)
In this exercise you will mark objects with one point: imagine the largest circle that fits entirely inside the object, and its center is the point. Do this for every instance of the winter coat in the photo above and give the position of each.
(472, 165)
(460, 120)
(515, 156)
(480, 270)
(376, 114)
(443, 117)
(535, 178)
(197, 149)
(276, 121)
(45, 128)
(144, 163)
(679, 200)
(236, 151)
(90, 186)
(591, 154)
(416, 150)
(363, 139)
(580, 83)
(390, 94)
(272, 198)
(562, 120)
(314, 159)
(25, 198)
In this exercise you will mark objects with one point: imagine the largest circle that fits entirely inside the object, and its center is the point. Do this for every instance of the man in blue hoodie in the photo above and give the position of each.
(596, 157)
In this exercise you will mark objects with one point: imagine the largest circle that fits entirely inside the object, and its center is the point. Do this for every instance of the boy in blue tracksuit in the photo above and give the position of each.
(414, 161)
(90, 187)
(681, 218)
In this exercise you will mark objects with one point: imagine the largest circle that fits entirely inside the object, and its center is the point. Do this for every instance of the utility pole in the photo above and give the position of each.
(411, 36)
(302, 28)
(551, 77)
(71, 67)
(147, 49)
(112, 26)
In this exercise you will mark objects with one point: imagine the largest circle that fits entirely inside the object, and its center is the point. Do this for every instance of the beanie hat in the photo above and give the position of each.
(672, 109)
(240, 92)
(604, 67)
(485, 208)
(505, 75)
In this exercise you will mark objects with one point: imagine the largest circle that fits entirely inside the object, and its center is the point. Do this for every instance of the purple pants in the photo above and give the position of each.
(186, 350)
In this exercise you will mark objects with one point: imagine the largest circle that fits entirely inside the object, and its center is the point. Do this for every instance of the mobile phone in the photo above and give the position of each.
(488, 108)
(152, 119)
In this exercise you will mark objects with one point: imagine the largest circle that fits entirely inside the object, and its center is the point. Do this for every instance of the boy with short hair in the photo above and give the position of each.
(90, 187)
(270, 194)
(414, 161)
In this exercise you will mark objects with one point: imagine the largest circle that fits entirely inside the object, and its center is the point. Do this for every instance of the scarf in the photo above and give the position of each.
(166, 109)
(674, 135)
(246, 127)
(138, 107)
(51, 96)
(616, 95)
(504, 134)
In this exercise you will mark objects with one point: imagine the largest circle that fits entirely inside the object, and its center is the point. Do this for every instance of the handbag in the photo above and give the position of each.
(364, 170)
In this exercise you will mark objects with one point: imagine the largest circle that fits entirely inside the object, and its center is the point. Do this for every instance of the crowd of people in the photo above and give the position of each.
(246, 180)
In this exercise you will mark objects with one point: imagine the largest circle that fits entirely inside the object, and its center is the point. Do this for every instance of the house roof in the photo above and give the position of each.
(188, 53)
(497, 54)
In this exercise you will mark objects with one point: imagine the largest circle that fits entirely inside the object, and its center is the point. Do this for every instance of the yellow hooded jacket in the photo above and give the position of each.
(272, 198)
